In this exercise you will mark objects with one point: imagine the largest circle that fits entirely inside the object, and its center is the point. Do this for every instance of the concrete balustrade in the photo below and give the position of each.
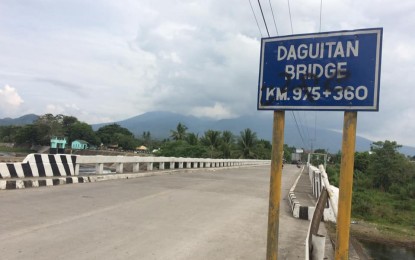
(38, 170)
(172, 162)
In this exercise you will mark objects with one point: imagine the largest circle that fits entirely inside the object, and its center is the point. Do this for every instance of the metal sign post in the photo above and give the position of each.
(346, 186)
(275, 184)
(338, 71)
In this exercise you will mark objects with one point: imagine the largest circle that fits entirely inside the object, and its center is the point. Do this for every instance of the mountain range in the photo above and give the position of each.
(160, 123)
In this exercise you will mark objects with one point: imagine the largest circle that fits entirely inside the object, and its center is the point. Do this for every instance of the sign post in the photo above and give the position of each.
(275, 184)
(346, 186)
(337, 71)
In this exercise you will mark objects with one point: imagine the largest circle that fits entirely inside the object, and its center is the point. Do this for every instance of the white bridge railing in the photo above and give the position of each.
(162, 162)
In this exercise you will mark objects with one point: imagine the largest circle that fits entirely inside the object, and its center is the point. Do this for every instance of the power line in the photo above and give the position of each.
(272, 11)
(291, 21)
(255, 18)
(298, 128)
(266, 27)
(321, 10)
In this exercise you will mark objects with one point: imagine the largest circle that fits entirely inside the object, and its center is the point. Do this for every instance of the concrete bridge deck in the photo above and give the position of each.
(191, 214)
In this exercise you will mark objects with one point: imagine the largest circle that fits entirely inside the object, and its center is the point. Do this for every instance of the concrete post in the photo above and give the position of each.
(76, 173)
(99, 168)
(136, 167)
(171, 165)
(149, 166)
(161, 165)
(119, 168)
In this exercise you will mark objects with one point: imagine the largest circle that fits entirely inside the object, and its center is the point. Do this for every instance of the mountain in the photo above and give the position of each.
(160, 123)
(23, 120)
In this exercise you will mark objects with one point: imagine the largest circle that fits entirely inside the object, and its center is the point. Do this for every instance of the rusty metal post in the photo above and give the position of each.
(346, 185)
(275, 184)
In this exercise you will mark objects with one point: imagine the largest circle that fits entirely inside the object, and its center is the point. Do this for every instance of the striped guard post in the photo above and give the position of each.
(40, 165)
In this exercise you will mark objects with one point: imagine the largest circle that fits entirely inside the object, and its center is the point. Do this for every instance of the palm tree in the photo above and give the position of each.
(192, 138)
(247, 142)
(227, 141)
(212, 140)
(179, 133)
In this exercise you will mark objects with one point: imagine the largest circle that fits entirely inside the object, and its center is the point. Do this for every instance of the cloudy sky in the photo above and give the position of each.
(109, 60)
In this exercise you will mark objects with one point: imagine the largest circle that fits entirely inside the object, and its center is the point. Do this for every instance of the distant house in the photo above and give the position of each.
(57, 145)
(79, 145)
(141, 149)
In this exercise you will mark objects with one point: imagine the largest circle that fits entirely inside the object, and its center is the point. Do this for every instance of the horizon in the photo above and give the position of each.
(406, 149)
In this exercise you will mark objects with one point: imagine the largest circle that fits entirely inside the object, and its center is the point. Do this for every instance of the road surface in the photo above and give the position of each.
(196, 214)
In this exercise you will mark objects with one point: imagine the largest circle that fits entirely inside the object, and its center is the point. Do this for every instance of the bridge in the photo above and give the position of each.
(187, 209)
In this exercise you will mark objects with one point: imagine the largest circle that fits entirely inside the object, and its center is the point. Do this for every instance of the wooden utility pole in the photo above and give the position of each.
(275, 184)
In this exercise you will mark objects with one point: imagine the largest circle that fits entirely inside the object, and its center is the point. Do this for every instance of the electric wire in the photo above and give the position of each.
(291, 21)
(292, 112)
(298, 128)
(315, 113)
(260, 32)
(263, 17)
(321, 10)
(273, 17)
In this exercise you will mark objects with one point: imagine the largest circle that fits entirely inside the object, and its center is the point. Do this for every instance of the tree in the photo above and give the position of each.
(27, 134)
(246, 143)
(227, 140)
(82, 131)
(48, 126)
(263, 149)
(8, 133)
(113, 134)
(146, 136)
(179, 133)
(386, 164)
(182, 149)
(211, 139)
(192, 139)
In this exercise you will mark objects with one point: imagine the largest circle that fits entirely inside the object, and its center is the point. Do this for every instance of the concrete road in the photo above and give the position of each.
(199, 214)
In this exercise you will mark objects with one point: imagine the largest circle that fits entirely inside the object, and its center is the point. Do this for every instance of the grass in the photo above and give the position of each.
(15, 150)
(384, 208)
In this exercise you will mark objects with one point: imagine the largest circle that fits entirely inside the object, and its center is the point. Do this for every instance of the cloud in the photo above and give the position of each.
(9, 97)
(217, 111)
(67, 86)
(110, 60)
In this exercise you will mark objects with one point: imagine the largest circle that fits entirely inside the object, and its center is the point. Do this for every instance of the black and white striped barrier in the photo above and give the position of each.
(11, 184)
(40, 165)
(52, 169)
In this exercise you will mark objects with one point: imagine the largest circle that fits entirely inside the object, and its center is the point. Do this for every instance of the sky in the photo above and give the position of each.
(108, 60)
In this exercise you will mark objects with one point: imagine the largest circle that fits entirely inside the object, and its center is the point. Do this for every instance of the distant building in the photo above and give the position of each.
(57, 145)
(79, 145)
(141, 149)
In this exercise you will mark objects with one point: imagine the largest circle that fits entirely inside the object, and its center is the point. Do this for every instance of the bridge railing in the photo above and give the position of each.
(324, 192)
(319, 179)
(162, 163)
(65, 165)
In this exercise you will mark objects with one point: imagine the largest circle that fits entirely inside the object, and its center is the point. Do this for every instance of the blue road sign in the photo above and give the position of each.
(321, 71)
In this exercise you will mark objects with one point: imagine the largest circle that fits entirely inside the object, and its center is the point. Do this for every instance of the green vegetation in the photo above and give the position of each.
(15, 149)
(213, 143)
(383, 185)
